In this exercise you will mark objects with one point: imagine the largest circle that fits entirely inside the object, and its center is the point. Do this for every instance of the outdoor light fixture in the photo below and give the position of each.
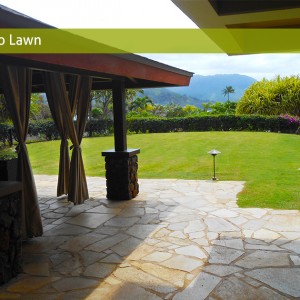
(214, 153)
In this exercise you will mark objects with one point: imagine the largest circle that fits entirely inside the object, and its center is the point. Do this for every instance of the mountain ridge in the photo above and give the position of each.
(202, 89)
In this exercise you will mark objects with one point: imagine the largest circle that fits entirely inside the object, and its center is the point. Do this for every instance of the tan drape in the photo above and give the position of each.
(64, 159)
(77, 184)
(78, 97)
(73, 92)
(16, 82)
(58, 117)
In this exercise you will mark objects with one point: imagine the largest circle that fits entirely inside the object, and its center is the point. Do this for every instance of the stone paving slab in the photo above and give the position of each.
(179, 239)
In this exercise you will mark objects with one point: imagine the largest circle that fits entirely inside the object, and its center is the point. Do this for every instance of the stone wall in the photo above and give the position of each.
(122, 177)
(10, 237)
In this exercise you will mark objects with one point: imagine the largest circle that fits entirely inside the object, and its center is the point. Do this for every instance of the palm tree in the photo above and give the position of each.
(206, 106)
(228, 90)
(140, 103)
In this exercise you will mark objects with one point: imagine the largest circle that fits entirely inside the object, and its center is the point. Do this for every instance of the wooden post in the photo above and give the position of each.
(118, 94)
(121, 164)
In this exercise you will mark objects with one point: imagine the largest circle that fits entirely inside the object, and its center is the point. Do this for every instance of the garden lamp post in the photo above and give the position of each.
(214, 153)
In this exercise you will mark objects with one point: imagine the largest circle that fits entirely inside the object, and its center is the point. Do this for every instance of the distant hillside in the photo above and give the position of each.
(165, 96)
(202, 89)
(210, 87)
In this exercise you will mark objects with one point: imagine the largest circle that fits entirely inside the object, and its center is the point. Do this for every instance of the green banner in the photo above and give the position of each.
(231, 41)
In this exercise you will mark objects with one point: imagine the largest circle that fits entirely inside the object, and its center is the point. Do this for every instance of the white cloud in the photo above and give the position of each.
(153, 14)
(104, 13)
(257, 66)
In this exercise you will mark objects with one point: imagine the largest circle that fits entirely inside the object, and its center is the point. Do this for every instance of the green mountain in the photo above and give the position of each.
(165, 96)
(202, 89)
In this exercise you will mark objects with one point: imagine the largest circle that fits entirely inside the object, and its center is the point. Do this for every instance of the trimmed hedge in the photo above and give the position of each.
(215, 123)
(46, 129)
(99, 127)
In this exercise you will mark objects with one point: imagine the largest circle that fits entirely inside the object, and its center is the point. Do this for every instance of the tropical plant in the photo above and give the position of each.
(226, 108)
(174, 110)
(206, 106)
(96, 113)
(280, 95)
(102, 99)
(140, 103)
(190, 110)
(39, 108)
(228, 90)
(159, 110)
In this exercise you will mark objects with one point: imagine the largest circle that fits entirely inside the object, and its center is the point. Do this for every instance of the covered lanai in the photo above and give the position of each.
(67, 80)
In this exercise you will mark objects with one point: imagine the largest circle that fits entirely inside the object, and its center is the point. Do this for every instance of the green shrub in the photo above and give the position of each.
(99, 127)
(44, 130)
(96, 113)
(6, 130)
(8, 153)
(216, 123)
(272, 97)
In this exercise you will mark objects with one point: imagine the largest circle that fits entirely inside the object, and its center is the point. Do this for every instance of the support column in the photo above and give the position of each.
(121, 174)
(120, 130)
(121, 164)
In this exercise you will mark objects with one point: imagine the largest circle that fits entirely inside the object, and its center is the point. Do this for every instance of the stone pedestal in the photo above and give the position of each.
(10, 230)
(121, 174)
(8, 169)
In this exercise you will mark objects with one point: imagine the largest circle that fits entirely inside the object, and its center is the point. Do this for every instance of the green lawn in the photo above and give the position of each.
(268, 162)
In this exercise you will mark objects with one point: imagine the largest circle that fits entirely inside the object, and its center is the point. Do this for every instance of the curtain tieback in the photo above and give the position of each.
(20, 146)
(75, 147)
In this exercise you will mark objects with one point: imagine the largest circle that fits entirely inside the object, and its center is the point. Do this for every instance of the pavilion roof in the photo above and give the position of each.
(137, 71)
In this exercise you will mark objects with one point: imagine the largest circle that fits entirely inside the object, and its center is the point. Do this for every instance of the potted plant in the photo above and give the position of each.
(8, 164)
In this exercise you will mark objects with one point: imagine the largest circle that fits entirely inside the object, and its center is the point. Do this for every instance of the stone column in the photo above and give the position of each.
(10, 230)
(121, 174)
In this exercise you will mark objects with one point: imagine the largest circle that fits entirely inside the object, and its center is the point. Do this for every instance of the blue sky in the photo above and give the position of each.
(153, 14)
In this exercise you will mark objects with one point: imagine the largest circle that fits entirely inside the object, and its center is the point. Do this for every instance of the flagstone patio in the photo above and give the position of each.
(177, 240)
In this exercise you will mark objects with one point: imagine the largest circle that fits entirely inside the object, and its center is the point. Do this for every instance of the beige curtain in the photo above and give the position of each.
(16, 82)
(58, 117)
(78, 98)
(77, 184)
(73, 92)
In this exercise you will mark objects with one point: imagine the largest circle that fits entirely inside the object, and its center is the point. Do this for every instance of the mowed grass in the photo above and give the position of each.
(267, 162)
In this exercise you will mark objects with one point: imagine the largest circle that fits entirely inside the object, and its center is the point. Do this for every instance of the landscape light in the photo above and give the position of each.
(214, 153)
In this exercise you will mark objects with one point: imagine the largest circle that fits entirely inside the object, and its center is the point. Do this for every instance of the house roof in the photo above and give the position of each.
(137, 71)
(246, 14)
(242, 13)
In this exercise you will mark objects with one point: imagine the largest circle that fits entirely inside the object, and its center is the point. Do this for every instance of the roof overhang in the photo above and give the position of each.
(242, 14)
(136, 71)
